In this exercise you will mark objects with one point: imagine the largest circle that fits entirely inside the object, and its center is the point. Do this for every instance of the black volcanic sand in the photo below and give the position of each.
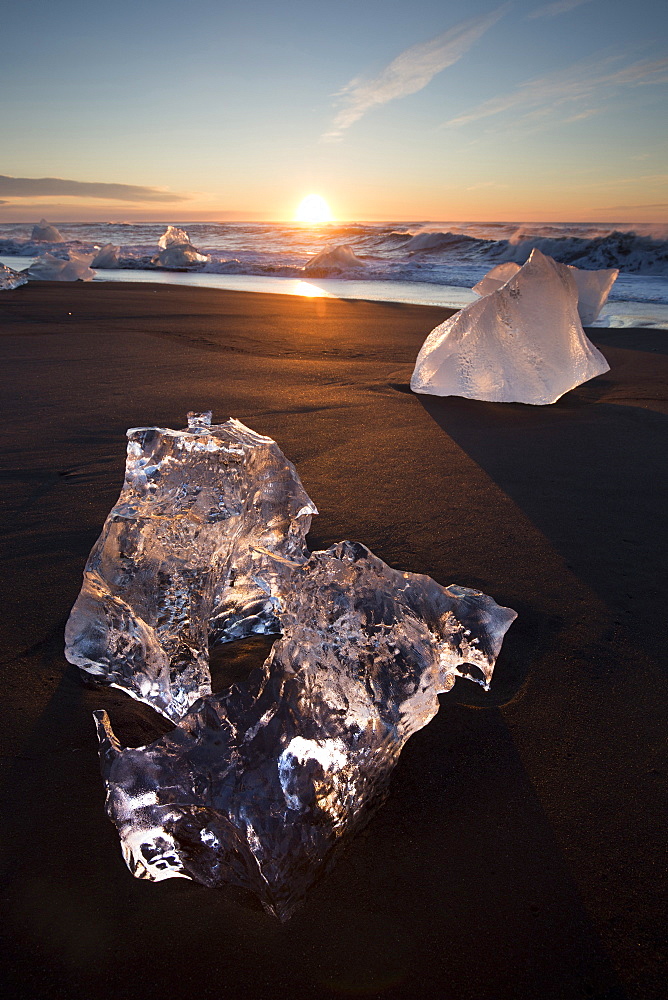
(519, 854)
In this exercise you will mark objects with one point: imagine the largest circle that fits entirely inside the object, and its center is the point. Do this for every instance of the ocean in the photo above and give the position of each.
(433, 263)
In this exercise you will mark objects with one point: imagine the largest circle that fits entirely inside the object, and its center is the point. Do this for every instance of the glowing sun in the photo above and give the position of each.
(313, 209)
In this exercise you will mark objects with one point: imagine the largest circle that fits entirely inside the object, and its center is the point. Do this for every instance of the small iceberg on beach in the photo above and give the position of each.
(106, 257)
(593, 286)
(176, 250)
(74, 268)
(333, 261)
(522, 343)
(11, 279)
(42, 232)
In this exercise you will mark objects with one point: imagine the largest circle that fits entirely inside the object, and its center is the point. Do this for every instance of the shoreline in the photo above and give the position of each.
(617, 314)
(532, 810)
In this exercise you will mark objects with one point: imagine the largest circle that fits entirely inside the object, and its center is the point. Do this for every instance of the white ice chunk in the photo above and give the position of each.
(76, 267)
(593, 286)
(334, 260)
(106, 257)
(176, 250)
(42, 232)
(522, 343)
(173, 236)
(11, 279)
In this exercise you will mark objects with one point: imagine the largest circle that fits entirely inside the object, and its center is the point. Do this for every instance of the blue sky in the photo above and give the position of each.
(462, 109)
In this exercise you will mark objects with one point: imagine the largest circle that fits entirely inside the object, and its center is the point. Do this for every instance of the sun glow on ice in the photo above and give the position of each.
(313, 209)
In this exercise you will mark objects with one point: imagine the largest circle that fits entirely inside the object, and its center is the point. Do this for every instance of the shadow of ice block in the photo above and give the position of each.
(521, 343)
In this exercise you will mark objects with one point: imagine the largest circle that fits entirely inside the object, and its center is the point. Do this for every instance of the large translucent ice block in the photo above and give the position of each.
(257, 786)
(42, 232)
(200, 514)
(522, 343)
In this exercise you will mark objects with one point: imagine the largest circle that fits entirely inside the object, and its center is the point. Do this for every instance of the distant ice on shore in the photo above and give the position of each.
(9, 278)
(42, 232)
(106, 257)
(334, 260)
(177, 251)
(49, 268)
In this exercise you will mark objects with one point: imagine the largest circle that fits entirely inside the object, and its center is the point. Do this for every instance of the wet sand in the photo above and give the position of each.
(518, 855)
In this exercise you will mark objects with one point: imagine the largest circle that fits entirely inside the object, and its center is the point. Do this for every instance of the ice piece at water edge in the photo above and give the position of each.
(106, 256)
(522, 343)
(9, 278)
(333, 261)
(75, 267)
(42, 232)
(173, 236)
(257, 786)
(176, 250)
(177, 562)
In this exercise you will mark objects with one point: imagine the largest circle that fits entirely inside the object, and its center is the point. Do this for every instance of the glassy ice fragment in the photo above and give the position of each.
(522, 343)
(200, 516)
(176, 250)
(106, 257)
(42, 232)
(75, 267)
(257, 786)
(593, 286)
(11, 279)
(333, 261)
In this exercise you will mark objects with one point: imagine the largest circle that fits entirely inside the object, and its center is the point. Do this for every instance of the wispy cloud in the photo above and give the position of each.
(410, 72)
(31, 187)
(559, 7)
(553, 94)
(631, 208)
